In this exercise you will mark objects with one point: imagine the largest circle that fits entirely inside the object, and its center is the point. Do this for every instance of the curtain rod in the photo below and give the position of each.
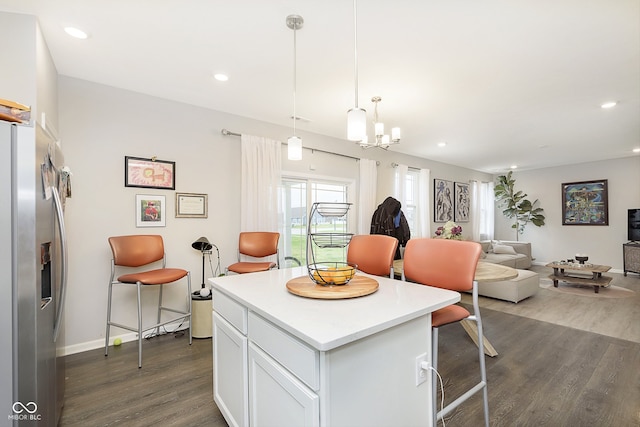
(229, 133)
(395, 165)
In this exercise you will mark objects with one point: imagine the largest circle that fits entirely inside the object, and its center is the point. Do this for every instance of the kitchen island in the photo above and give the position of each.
(281, 359)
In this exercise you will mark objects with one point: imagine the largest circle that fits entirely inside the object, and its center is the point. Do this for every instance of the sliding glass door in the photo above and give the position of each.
(297, 196)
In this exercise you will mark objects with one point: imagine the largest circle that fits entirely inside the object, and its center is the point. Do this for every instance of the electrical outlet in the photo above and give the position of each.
(421, 374)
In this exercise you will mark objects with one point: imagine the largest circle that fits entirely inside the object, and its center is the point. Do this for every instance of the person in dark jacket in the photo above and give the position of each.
(388, 219)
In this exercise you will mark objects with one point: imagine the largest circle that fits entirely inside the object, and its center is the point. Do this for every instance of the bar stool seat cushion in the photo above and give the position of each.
(154, 277)
(450, 314)
(250, 267)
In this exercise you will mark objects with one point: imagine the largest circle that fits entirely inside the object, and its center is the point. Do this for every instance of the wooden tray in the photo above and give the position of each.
(357, 287)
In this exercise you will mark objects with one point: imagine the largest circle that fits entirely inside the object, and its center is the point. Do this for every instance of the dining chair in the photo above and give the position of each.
(449, 264)
(373, 253)
(135, 252)
(253, 245)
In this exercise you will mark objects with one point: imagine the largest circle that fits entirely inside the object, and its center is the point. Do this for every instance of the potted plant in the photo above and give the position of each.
(516, 205)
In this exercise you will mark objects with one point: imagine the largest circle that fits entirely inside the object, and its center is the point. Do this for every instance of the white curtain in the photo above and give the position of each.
(424, 213)
(482, 210)
(261, 166)
(367, 194)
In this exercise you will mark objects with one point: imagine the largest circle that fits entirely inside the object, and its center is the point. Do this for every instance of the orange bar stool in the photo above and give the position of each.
(137, 251)
(373, 253)
(256, 244)
(449, 264)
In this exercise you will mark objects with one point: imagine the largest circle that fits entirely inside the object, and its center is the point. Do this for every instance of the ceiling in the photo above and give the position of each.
(501, 82)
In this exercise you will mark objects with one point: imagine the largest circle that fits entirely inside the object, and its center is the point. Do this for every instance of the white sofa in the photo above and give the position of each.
(506, 252)
(524, 286)
(512, 254)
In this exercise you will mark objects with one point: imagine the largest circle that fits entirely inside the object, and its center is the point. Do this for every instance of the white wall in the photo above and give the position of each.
(99, 125)
(18, 58)
(555, 241)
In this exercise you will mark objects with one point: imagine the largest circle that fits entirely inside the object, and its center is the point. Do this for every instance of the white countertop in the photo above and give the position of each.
(327, 324)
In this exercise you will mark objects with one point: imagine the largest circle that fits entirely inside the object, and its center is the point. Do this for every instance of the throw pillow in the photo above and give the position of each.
(503, 249)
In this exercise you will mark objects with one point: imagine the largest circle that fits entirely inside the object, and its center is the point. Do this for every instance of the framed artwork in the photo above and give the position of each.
(585, 203)
(462, 201)
(191, 205)
(151, 210)
(442, 200)
(149, 173)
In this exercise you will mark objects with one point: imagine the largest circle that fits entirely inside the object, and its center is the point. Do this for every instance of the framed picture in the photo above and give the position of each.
(150, 210)
(191, 205)
(149, 173)
(442, 200)
(462, 201)
(585, 203)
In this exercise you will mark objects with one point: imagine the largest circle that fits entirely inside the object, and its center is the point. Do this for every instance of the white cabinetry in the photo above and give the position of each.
(277, 398)
(230, 374)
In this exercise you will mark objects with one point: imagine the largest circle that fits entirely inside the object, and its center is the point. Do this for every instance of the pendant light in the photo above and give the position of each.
(356, 117)
(294, 143)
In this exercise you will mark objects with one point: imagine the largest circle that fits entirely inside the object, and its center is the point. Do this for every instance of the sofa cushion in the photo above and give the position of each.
(513, 261)
(503, 249)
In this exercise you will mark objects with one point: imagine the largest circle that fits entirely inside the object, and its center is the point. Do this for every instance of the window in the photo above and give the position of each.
(407, 187)
(296, 197)
(411, 195)
(486, 211)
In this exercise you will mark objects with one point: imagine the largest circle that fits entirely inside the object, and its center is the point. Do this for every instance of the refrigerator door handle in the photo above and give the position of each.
(63, 269)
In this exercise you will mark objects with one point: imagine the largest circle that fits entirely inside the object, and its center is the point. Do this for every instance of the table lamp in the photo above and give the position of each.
(202, 245)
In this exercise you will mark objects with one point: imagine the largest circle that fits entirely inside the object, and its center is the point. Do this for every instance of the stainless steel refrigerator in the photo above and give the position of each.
(33, 268)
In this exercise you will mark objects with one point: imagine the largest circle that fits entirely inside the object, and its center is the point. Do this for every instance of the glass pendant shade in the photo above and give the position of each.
(356, 124)
(395, 134)
(294, 148)
(379, 129)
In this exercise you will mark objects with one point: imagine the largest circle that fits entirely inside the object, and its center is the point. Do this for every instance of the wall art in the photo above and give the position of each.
(150, 210)
(462, 202)
(191, 205)
(442, 200)
(585, 203)
(149, 173)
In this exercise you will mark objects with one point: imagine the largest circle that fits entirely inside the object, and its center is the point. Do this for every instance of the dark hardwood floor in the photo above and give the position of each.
(173, 387)
(545, 375)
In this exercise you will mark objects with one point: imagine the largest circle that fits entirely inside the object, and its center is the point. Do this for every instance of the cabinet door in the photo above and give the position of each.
(277, 398)
(230, 376)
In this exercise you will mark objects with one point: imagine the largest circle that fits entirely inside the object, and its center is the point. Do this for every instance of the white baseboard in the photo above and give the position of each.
(99, 343)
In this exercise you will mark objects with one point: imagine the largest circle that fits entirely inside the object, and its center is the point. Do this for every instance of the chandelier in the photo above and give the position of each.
(381, 140)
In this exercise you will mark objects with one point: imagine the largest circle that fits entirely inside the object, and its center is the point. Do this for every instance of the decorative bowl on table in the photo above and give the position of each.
(581, 258)
(332, 273)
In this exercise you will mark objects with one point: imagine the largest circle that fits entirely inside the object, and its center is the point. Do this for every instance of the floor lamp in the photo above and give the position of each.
(203, 245)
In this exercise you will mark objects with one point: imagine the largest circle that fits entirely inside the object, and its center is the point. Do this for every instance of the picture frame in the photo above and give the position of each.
(442, 200)
(151, 210)
(192, 205)
(462, 201)
(585, 203)
(149, 173)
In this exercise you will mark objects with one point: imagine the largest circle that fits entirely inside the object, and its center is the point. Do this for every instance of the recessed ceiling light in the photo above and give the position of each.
(75, 32)
(221, 77)
(442, 144)
(636, 150)
(513, 166)
(609, 104)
